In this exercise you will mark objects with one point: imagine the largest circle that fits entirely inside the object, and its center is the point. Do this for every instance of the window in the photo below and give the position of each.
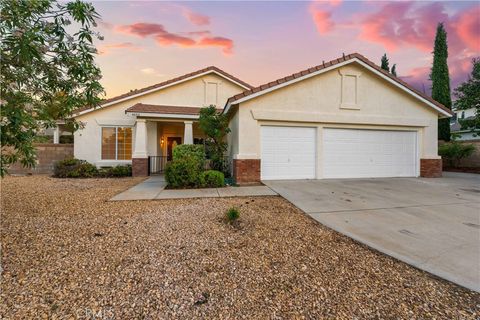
(116, 143)
(463, 114)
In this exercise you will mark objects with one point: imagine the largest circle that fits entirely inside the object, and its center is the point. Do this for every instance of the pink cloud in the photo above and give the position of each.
(141, 29)
(166, 39)
(188, 39)
(196, 18)
(225, 43)
(406, 24)
(467, 26)
(108, 48)
(322, 20)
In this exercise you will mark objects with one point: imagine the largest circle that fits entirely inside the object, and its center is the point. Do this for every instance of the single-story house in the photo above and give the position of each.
(346, 118)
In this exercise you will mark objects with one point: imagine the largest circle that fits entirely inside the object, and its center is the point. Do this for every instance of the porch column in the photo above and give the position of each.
(140, 156)
(188, 134)
(56, 135)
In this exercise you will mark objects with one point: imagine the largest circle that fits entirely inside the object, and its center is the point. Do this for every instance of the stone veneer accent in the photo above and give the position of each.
(140, 167)
(431, 168)
(246, 171)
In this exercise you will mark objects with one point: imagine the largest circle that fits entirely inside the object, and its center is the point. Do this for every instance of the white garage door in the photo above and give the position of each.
(349, 153)
(288, 153)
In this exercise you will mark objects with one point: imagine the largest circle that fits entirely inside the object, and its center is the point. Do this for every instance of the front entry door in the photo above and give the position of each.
(172, 142)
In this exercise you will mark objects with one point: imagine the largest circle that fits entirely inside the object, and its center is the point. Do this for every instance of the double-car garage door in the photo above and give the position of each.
(291, 153)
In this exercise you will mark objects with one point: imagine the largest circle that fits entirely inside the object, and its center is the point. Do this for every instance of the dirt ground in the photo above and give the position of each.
(67, 252)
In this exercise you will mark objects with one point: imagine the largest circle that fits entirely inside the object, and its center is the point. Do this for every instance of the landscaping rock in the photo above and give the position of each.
(178, 259)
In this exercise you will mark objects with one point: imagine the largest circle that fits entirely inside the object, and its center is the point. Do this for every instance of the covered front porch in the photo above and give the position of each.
(158, 130)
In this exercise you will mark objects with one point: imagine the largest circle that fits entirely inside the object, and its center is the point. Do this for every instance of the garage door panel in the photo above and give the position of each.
(354, 153)
(288, 152)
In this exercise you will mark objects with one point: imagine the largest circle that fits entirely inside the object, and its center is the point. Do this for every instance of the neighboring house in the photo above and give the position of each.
(346, 118)
(456, 127)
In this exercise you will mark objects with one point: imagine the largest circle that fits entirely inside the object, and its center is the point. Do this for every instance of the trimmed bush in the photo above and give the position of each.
(453, 152)
(183, 173)
(116, 172)
(212, 179)
(74, 168)
(232, 214)
(195, 151)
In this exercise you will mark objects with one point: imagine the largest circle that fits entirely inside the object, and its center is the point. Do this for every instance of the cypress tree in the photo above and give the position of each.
(394, 70)
(441, 79)
(384, 64)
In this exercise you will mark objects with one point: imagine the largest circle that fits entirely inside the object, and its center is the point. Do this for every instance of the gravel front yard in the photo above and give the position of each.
(69, 253)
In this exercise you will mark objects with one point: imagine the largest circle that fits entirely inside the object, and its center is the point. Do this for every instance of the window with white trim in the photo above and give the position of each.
(116, 143)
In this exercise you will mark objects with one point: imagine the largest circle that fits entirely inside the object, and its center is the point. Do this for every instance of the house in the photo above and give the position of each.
(346, 118)
(456, 127)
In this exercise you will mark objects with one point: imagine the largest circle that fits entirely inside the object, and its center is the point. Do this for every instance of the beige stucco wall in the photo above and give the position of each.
(316, 102)
(190, 93)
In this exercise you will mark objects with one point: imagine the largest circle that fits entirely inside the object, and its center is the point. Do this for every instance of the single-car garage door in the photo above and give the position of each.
(288, 153)
(352, 153)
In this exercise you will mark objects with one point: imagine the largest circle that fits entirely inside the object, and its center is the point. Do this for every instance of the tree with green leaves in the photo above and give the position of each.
(468, 96)
(215, 126)
(394, 70)
(385, 64)
(47, 70)
(441, 80)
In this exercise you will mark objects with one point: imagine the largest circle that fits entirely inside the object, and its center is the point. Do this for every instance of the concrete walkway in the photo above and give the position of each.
(432, 224)
(154, 189)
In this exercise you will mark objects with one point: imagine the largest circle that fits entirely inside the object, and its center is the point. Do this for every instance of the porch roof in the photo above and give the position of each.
(164, 109)
(155, 108)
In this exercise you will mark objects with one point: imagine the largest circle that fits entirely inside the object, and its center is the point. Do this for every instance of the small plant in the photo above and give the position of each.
(232, 214)
(212, 179)
(454, 151)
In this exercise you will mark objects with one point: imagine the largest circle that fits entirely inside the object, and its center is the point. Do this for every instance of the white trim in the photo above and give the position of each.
(164, 115)
(160, 88)
(313, 74)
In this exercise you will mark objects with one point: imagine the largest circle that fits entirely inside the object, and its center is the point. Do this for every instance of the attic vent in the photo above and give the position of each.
(211, 93)
(349, 89)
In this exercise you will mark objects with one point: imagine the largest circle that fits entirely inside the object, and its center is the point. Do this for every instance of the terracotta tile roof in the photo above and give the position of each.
(163, 109)
(164, 83)
(332, 63)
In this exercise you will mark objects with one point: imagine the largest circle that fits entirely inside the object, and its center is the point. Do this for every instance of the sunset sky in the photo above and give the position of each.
(149, 42)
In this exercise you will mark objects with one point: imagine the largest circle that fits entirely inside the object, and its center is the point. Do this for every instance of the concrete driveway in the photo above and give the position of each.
(432, 224)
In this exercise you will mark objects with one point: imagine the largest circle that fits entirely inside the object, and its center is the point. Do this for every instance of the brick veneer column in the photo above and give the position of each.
(140, 167)
(431, 168)
(246, 171)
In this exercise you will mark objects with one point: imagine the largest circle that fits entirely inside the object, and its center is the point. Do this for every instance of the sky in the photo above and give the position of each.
(146, 42)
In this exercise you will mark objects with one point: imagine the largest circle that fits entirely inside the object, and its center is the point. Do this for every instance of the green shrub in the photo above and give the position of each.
(454, 151)
(42, 139)
(74, 168)
(117, 171)
(183, 173)
(212, 179)
(232, 214)
(61, 168)
(194, 151)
